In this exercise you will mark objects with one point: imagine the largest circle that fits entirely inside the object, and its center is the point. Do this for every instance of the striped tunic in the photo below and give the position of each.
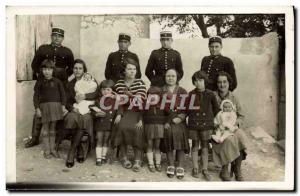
(137, 88)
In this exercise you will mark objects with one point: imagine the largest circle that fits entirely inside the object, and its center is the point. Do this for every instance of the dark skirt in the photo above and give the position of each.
(125, 132)
(51, 111)
(154, 131)
(200, 135)
(84, 122)
(176, 138)
(230, 149)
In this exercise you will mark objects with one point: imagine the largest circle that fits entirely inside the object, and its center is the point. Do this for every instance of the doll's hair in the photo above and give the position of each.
(227, 101)
(199, 75)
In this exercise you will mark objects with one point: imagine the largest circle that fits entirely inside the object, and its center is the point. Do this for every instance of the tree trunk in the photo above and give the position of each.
(199, 19)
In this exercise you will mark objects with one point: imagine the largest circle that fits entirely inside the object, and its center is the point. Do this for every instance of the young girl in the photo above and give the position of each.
(154, 119)
(84, 86)
(104, 114)
(175, 136)
(49, 101)
(201, 121)
(225, 121)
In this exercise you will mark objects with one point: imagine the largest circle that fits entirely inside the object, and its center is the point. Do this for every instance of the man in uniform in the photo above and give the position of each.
(215, 63)
(63, 59)
(116, 60)
(163, 59)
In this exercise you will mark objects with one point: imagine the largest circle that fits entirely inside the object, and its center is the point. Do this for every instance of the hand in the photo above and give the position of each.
(79, 97)
(38, 113)
(177, 120)
(118, 119)
(75, 110)
(100, 114)
(139, 125)
(65, 111)
(167, 126)
(128, 93)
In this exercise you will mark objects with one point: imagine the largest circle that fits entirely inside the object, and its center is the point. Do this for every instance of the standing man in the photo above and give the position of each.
(214, 63)
(64, 61)
(115, 60)
(163, 59)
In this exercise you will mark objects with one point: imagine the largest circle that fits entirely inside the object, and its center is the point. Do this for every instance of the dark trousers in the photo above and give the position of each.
(36, 127)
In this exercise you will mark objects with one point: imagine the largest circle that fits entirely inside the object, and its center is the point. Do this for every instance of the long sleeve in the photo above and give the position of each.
(179, 67)
(70, 63)
(93, 95)
(62, 93)
(215, 105)
(138, 71)
(69, 96)
(36, 95)
(36, 62)
(108, 67)
(150, 67)
(231, 71)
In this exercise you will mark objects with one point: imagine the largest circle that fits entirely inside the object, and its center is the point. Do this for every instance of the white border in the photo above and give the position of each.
(288, 184)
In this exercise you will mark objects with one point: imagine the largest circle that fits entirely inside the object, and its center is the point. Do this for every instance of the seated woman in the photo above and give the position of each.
(129, 131)
(77, 123)
(232, 149)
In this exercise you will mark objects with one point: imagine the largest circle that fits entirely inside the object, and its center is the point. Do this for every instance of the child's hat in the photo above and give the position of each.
(227, 101)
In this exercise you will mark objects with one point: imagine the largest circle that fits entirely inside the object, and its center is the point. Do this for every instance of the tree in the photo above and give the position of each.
(241, 25)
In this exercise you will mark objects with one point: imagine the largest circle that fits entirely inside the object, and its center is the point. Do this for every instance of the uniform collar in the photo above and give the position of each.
(54, 46)
(216, 56)
(123, 51)
(48, 80)
(166, 49)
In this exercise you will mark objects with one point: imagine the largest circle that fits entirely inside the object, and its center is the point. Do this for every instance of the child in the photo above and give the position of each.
(225, 121)
(154, 119)
(49, 101)
(84, 86)
(103, 119)
(201, 121)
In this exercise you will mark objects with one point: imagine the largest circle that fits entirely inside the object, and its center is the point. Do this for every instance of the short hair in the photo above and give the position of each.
(173, 70)
(47, 63)
(199, 75)
(223, 73)
(106, 84)
(130, 61)
(80, 61)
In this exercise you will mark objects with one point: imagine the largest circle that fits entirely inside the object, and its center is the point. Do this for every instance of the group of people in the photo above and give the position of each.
(121, 113)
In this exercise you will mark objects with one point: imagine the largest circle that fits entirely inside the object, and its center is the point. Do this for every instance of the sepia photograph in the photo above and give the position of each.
(150, 98)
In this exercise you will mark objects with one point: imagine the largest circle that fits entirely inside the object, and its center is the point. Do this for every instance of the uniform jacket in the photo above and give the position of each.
(114, 65)
(159, 62)
(211, 65)
(61, 56)
(202, 118)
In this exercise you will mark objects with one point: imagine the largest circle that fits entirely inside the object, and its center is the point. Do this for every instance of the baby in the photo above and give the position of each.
(86, 85)
(225, 121)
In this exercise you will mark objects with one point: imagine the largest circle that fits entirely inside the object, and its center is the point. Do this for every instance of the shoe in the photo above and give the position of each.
(237, 170)
(55, 154)
(80, 159)
(224, 175)
(206, 175)
(104, 160)
(158, 167)
(137, 166)
(170, 171)
(99, 162)
(126, 164)
(151, 168)
(179, 173)
(32, 142)
(69, 164)
(47, 155)
(195, 172)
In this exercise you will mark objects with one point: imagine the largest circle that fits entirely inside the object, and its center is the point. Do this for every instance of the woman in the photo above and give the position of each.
(175, 135)
(74, 121)
(129, 130)
(232, 150)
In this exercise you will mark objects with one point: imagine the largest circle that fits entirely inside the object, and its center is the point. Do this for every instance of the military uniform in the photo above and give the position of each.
(116, 62)
(61, 56)
(213, 64)
(160, 61)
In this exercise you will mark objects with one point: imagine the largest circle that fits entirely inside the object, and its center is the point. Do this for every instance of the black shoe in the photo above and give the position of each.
(69, 164)
(80, 159)
(104, 160)
(98, 162)
(31, 142)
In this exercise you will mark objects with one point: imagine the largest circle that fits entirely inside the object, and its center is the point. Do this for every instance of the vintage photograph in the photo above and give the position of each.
(131, 100)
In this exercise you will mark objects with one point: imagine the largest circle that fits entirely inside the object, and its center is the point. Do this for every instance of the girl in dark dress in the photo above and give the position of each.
(49, 102)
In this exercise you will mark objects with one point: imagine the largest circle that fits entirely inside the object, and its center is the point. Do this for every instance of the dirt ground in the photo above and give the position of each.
(265, 162)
